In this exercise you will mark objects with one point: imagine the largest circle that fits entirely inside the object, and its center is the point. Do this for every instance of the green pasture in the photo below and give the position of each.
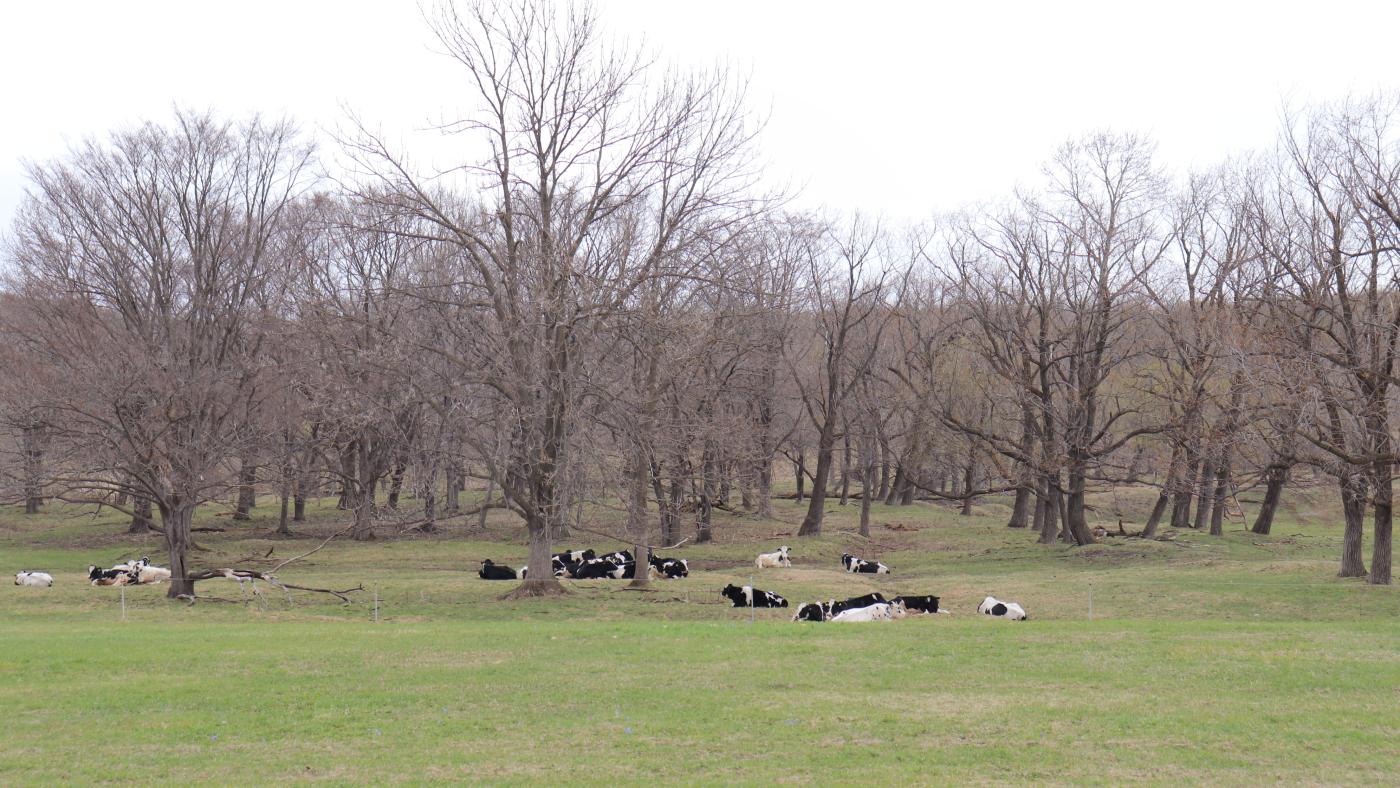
(1235, 660)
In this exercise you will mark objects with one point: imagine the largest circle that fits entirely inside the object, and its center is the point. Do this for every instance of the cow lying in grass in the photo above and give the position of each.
(668, 568)
(35, 579)
(780, 558)
(823, 611)
(861, 566)
(992, 606)
(493, 571)
(920, 604)
(748, 596)
(864, 615)
(110, 577)
(147, 574)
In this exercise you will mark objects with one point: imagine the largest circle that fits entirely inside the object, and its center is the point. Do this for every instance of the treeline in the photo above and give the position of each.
(599, 309)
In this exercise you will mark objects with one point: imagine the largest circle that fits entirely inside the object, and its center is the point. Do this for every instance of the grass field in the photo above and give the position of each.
(1237, 660)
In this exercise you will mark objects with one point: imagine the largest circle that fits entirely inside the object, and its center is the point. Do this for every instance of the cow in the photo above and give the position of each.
(992, 606)
(872, 598)
(565, 562)
(669, 568)
(813, 611)
(779, 558)
(861, 566)
(35, 579)
(920, 604)
(493, 571)
(823, 611)
(109, 577)
(748, 596)
(864, 615)
(595, 569)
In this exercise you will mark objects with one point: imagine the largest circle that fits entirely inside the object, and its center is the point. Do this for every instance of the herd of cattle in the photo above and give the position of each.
(130, 573)
(618, 565)
(587, 565)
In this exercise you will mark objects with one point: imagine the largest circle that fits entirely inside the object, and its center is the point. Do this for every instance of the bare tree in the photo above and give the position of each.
(154, 255)
(594, 179)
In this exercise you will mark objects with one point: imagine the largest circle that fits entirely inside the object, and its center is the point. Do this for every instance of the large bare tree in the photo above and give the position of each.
(587, 174)
(148, 267)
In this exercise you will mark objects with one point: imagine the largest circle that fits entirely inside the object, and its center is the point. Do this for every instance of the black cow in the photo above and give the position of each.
(919, 604)
(594, 569)
(748, 596)
(812, 611)
(494, 571)
(861, 566)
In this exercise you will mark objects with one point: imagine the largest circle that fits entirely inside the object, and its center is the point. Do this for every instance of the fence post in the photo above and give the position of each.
(1091, 601)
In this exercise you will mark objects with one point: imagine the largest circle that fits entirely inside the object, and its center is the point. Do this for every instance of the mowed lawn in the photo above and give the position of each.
(1230, 661)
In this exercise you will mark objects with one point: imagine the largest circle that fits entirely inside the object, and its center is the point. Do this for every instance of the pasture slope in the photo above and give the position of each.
(1232, 661)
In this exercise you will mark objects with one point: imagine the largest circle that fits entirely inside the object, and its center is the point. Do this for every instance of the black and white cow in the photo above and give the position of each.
(779, 558)
(669, 568)
(748, 596)
(872, 598)
(864, 615)
(36, 579)
(565, 562)
(110, 577)
(493, 571)
(813, 611)
(920, 604)
(824, 611)
(861, 566)
(595, 569)
(992, 606)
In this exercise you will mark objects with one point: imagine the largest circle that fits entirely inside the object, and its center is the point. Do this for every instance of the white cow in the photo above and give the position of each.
(991, 606)
(36, 579)
(779, 558)
(877, 612)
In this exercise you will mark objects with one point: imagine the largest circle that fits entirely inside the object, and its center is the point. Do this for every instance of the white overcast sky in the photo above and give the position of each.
(896, 108)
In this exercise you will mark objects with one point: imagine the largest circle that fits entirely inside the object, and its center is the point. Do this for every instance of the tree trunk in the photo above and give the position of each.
(896, 486)
(176, 520)
(1205, 494)
(1383, 479)
(1020, 513)
(884, 492)
(34, 439)
(846, 469)
(396, 484)
(799, 468)
(969, 483)
(1149, 531)
(282, 516)
(1050, 529)
(1277, 476)
(867, 470)
(707, 492)
(141, 516)
(1181, 497)
(1354, 515)
(1222, 496)
(247, 495)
